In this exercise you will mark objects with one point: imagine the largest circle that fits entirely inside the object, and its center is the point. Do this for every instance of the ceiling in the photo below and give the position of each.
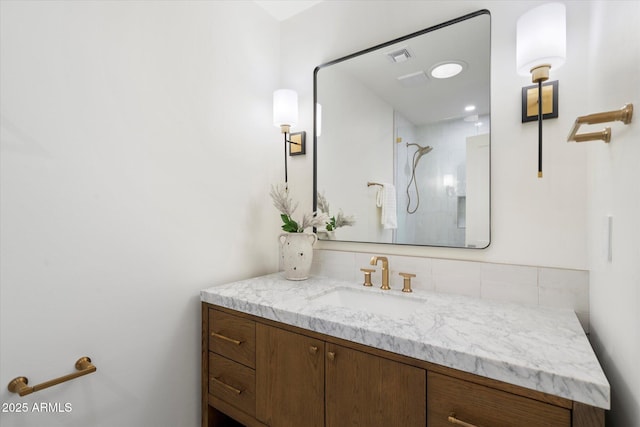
(282, 10)
(424, 99)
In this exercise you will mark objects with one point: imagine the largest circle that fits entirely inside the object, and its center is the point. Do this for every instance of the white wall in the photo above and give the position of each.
(351, 140)
(534, 222)
(614, 175)
(137, 148)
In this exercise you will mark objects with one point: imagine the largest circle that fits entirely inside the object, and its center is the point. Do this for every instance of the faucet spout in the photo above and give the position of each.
(385, 270)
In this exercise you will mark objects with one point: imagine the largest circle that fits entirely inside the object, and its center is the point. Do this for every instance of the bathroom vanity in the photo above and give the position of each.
(324, 352)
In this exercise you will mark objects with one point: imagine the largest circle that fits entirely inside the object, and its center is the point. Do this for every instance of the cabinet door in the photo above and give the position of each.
(289, 378)
(367, 390)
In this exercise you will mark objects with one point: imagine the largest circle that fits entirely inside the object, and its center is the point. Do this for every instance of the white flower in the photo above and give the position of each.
(284, 205)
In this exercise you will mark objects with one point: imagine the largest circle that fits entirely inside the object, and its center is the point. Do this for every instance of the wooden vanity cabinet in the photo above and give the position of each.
(301, 380)
(262, 375)
(259, 373)
(367, 390)
(228, 366)
(290, 378)
(450, 399)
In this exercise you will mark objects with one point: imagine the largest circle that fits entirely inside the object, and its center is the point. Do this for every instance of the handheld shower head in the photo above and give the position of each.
(424, 150)
(421, 151)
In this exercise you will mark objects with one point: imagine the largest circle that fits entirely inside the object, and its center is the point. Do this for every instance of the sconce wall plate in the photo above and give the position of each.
(549, 102)
(297, 145)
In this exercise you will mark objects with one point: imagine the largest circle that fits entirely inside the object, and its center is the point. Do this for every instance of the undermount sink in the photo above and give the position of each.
(369, 301)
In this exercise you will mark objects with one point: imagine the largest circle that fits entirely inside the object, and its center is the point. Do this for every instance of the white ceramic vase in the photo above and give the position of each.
(327, 235)
(296, 250)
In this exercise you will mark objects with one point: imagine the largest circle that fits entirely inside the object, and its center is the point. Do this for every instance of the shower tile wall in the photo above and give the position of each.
(544, 286)
(437, 214)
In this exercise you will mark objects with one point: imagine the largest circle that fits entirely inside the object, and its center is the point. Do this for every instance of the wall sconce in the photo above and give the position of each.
(541, 45)
(285, 115)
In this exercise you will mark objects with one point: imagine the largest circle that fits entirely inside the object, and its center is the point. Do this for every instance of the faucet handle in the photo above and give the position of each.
(367, 276)
(407, 281)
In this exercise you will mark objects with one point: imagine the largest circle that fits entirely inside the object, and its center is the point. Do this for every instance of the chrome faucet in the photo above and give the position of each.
(385, 270)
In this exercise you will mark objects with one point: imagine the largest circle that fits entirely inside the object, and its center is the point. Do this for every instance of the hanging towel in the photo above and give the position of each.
(386, 199)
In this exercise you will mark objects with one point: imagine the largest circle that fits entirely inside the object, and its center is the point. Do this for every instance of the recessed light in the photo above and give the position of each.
(448, 69)
(469, 108)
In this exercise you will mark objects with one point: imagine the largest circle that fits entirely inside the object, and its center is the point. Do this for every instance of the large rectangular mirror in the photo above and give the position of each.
(407, 123)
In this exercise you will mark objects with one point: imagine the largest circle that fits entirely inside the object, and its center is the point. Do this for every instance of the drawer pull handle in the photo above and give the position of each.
(222, 337)
(331, 355)
(227, 386)
(313, 349)
(453, 420)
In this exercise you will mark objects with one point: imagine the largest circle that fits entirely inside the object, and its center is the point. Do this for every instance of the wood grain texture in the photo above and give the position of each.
(367, 390)
(204, 380)
(289, 378)
(236, 376)
(234, 328)
(587, 416)
(483, 406)
(229, 415)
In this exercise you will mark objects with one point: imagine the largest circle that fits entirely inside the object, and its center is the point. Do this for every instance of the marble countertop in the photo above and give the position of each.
(538, 348)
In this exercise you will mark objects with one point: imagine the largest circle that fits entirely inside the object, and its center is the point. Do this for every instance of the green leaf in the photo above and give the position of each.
(290, 226)
(331, 225)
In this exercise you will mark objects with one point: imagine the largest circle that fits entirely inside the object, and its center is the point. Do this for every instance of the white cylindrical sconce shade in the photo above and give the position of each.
(541, 38)
(285, 107)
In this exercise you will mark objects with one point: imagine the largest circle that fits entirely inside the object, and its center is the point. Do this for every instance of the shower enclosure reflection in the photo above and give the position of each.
(388, 117)
(432, 189)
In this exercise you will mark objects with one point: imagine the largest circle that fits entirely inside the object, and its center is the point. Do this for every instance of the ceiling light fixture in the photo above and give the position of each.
(446, 70)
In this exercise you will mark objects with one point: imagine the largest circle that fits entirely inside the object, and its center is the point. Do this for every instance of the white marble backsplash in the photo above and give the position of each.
(542, 286)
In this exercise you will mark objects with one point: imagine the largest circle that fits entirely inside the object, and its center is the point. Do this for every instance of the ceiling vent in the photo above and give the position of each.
(418, 78)
(399, 55)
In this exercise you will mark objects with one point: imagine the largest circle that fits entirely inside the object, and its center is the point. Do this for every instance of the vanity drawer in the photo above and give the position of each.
(232, 382)
(233, 337)
(479, 405)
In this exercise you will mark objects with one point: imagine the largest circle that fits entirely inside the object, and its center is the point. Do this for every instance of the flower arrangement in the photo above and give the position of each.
(336, 221)
(284, 205)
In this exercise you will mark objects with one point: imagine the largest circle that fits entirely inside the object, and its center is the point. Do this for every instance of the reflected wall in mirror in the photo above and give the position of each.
(389, 130)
